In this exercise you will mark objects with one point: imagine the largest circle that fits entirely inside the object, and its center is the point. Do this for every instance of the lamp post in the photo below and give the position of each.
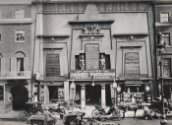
(114, 85)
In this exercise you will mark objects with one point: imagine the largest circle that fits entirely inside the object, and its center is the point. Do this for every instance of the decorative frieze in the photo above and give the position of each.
(64, 8)
(122, 6)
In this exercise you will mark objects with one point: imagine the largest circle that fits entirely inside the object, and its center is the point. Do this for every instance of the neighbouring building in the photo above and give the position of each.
(15, 55)
(86, 50)
(163, 19)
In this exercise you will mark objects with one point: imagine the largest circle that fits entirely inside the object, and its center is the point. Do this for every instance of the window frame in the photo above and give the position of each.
(20, 68)
(23, 36)
(167, 66)
(164, 19)
(46, 55)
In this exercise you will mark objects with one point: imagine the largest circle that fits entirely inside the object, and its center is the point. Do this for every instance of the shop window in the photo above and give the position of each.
(167, 67)
(19, 13)
(132, 63)
(56, 93)
(164, 17)
(1, 93)
(19, 36)
(52, 65)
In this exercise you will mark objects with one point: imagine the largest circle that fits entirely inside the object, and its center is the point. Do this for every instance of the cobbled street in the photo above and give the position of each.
(128, 121)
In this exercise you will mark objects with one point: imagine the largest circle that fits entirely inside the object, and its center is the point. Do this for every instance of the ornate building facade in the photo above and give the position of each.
(86, 50)
(81, 51)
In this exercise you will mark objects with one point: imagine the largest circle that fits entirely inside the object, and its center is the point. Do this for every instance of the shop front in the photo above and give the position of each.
(134, 91)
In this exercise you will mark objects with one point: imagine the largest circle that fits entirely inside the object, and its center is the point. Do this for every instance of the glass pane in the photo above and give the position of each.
(164, 17)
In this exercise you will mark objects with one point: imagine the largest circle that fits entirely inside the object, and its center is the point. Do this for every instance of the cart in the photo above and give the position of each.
(40, 120)
(73, 118)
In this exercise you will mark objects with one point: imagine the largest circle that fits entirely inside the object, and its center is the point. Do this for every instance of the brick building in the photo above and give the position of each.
(163, 46)
(15, 54)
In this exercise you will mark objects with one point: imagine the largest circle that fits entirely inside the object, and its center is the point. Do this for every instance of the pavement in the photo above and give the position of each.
(127, 121)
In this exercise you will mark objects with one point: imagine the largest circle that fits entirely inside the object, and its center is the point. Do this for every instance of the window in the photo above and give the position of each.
(164, 17)
(19, 36)
(1, 93)
(20, 64)
(165, 38)
(52, 65)
(19, 13)
(167, 67)
(132, 63)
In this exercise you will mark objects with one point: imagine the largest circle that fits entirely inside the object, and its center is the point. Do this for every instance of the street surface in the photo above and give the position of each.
(128, 121)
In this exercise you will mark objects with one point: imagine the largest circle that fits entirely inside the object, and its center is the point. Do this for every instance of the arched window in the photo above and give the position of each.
(20, 61)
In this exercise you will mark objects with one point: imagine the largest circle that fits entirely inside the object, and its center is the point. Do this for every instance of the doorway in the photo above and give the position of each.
(93, 95)
(19, 97)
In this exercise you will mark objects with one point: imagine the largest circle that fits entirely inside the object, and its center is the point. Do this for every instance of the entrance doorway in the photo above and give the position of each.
(19, 97)
(93, 95)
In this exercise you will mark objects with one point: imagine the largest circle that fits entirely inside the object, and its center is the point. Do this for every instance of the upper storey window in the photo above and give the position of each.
(19, 14)
(167, 67)
(164, 39)
(52, 64)
(92, 59)
(164, 17)
(20, 61)
(19, 36)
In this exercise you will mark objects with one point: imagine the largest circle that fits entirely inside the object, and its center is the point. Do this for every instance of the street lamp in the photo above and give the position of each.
(114, 85)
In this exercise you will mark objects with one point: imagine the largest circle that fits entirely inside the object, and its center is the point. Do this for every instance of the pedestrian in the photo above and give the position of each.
(135, 111)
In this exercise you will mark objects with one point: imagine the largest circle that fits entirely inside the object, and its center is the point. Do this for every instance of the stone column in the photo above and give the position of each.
(66, 91)
(83, 98)
(46, 94)
(103, 96)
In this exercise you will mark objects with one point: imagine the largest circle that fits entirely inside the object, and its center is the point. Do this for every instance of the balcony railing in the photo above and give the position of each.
(15, 75)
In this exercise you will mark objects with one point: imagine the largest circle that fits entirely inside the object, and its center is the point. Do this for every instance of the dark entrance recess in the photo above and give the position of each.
(108, 96)
(93, 95)
(19, 97)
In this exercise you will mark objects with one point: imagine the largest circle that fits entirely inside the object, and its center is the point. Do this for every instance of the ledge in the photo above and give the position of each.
(91, 35)
(130, 34)
(16, 21)
(53, 36)
(91, 21)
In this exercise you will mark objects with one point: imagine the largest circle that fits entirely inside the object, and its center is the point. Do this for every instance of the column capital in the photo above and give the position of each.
(83, 86)
(103, 86)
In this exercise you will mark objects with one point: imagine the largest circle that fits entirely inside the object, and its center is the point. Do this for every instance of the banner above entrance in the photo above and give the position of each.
(88, 76)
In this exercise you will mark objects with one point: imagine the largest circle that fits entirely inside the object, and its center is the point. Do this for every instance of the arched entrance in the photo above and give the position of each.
(19, 97)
